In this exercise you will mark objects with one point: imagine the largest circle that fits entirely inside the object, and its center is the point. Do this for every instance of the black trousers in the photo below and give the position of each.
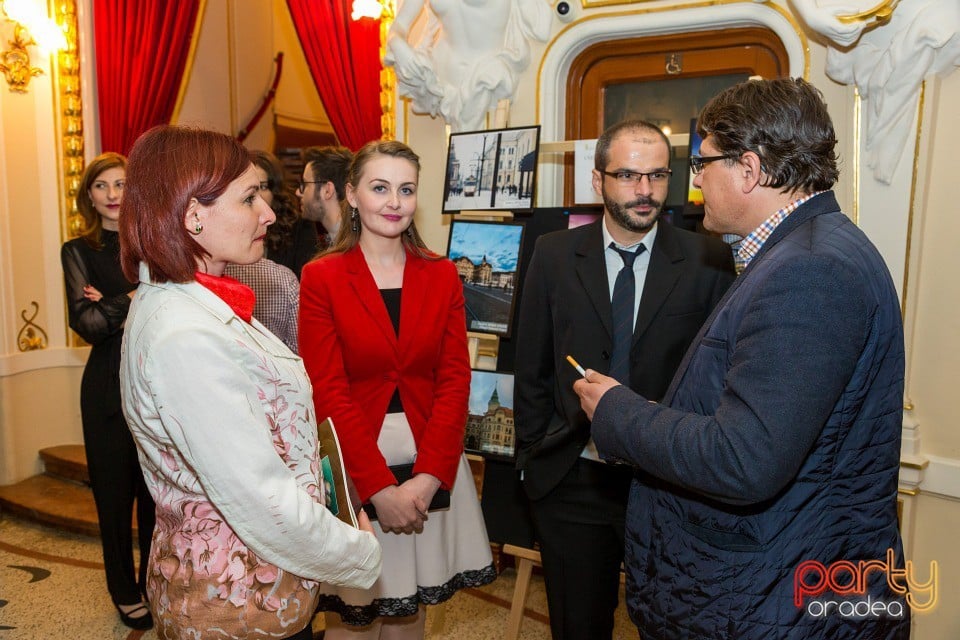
(116, 480)
(580, 526)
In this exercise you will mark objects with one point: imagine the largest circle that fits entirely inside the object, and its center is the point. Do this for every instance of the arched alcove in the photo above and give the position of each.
(562, 52)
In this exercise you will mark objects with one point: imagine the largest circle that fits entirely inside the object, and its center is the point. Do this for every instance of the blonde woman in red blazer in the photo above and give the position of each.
(383, 337)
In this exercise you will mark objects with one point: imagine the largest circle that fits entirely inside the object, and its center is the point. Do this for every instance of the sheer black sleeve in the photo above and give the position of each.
(93, 321)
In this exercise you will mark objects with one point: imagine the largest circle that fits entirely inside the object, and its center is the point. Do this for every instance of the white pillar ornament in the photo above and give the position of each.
(467, 58)
(886, 50)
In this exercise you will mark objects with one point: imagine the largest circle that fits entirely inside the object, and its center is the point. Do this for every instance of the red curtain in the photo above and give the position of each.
(344, 60)
(142, 49)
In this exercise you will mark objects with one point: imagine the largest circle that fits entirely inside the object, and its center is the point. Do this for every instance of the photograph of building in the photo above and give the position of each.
(486, 255)
(491, 170)
(490, 420)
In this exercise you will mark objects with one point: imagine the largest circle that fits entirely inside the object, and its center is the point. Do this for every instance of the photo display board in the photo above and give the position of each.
(493, 170)
(487, 256)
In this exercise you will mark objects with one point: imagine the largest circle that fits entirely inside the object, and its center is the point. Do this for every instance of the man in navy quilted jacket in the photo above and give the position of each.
(764, 503)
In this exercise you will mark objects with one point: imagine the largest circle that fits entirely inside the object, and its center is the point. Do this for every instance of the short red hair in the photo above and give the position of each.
(167, 167)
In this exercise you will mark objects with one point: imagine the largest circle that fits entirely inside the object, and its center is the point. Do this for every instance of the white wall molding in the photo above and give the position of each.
(942, 477)
(51, 358)
(913, 464)
(924, 472)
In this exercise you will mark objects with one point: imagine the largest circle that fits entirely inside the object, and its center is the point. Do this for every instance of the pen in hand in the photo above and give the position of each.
(576, 365)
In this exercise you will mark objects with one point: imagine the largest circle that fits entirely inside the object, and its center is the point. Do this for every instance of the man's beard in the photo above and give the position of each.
(312, 210)
(621, 215)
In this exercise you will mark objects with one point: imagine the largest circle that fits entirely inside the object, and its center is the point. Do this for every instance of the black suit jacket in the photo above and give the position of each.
(565, 310)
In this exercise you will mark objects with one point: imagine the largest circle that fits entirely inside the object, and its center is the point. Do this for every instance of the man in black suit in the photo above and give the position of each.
(567, 308)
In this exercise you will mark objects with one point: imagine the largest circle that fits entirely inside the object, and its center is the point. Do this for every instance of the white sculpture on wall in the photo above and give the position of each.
(467, 58)
(887, 63)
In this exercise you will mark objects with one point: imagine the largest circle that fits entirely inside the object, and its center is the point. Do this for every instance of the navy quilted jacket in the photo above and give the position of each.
(777, 443)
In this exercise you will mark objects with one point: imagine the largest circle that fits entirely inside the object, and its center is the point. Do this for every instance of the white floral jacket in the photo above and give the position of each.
(222, 414)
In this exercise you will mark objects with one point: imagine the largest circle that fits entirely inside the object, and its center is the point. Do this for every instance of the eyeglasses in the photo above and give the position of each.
(630, 178)
(302, 185)
(697, 162)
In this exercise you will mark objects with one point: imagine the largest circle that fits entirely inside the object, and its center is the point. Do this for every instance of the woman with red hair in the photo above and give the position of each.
(221, 409)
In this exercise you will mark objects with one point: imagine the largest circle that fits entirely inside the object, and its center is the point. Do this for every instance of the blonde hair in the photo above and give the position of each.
(348, 237)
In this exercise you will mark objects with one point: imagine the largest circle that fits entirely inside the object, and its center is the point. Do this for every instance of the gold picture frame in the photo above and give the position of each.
(587, 4)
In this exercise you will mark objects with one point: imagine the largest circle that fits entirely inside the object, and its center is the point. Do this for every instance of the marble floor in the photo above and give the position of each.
(52, 586)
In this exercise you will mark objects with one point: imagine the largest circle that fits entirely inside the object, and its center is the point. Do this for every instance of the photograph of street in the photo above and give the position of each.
(490, 420)
(491, 170)
(486, 256)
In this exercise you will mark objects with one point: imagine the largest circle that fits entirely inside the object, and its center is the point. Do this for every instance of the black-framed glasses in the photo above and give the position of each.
(630, 178)
(697, 162)
(302, 185)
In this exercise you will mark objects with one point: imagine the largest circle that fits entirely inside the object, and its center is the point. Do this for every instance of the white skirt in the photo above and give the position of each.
(451, 553)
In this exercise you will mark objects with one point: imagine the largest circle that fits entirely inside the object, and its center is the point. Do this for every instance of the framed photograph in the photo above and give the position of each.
(487, 255)
(493, 170)
(490, 417)
(694, 204)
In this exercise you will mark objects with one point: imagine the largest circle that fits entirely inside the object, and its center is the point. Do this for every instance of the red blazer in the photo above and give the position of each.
(355, 361)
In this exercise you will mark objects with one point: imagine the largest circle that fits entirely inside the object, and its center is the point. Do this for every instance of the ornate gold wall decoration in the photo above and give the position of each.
(879, 14)
(606, 3)
(15, 61)
(67, 87)
(388, 78)
(69, 110)
(31, 336)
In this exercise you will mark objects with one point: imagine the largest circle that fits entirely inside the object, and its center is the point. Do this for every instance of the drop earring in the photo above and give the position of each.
(355, 220)
(197, 227)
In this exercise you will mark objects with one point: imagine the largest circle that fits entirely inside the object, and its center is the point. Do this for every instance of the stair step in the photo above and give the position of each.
(52, 501)
(68, 461)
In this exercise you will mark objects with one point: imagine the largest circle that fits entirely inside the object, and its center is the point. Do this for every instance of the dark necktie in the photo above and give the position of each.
(622, 304)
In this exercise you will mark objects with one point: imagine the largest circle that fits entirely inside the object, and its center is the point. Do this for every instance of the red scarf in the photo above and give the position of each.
(239, 296)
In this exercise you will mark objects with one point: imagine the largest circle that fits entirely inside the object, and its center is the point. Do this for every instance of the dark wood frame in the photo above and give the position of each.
(753, 51)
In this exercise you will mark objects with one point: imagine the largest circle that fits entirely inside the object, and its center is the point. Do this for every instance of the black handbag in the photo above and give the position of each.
(403, 472)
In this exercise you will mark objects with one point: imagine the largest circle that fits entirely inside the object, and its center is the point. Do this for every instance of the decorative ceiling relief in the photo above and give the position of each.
(887, 50)
(467, 58)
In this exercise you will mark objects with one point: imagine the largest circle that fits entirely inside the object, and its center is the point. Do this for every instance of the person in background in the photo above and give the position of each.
(383, 334)
(776, 448)
(221, 410)
(278, 296)
(569, 307)
(292, 240)
(98, 298)
(322, 186)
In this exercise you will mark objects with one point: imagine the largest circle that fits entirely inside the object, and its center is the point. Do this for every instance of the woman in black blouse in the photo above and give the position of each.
(98, 297)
